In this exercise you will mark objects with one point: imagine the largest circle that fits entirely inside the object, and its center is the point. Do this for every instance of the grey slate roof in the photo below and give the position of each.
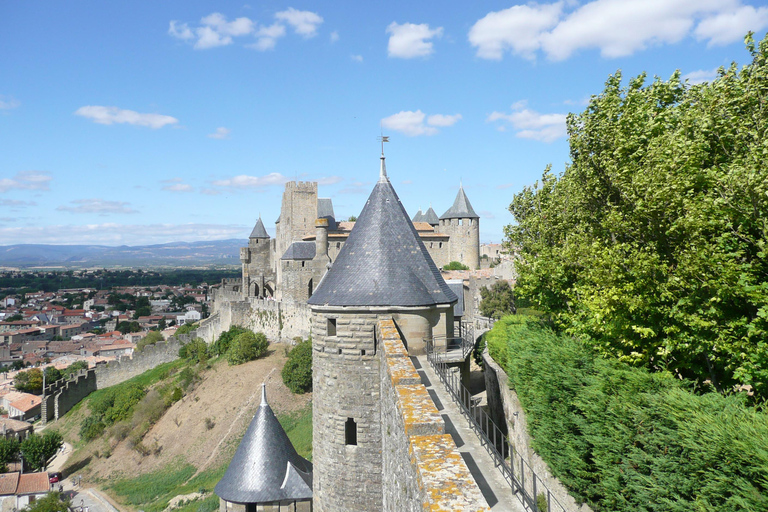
(431, 217)
(457, 285)
(300, 251)
(383, 262)
(419, 217)
(325, 211)
(266, 467)
(259, 231)
(461, 208)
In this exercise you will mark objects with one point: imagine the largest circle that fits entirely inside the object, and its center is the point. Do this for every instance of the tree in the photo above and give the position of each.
(125, 327)
(498, 300)
(30, 381)
(297, 372)
(151, 338)
(74, 368)
(15, 318)
(352, 218)
(51, 502)
(161, 324)
(52, 374)
(246, 347)
(9, 452)
(221, 345)
(455, 265)
(652, 243)
(37, 450)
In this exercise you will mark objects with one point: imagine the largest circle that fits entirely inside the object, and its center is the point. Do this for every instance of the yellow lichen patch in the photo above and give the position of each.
(402, 372)
(390, 339)
(444, 476)
(420, 416)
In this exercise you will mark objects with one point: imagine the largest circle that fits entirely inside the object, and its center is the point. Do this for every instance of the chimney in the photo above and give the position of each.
(321, 238)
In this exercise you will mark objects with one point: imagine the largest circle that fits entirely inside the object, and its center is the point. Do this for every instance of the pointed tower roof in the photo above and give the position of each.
(383, 262)
(461, 208)
(431, 217)
(258, 230)
(266, 467)
(419, 217)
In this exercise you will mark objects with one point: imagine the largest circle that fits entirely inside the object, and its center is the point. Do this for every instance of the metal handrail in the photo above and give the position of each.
(452, 343)
(493, 439)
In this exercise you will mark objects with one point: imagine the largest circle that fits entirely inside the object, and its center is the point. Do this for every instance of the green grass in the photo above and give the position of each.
(298, 426)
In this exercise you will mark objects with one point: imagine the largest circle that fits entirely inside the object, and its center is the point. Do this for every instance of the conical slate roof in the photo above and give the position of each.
(431, 217)
(419, 217)
(265, 466)
(383, 262)
(461, 208)
(259, 231)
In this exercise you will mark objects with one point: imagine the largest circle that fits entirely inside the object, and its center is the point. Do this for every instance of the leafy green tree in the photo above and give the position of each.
(74, 368)
(161, 324)
(297, 372)
(51, 502)
(185, 329)
(9, 452)
(221, 345)
(455, 265)
(246, 347)
(652, 243)
(15, 318)
(30, 381)
(151, 338)
(52, 374)
(125, 327)
(498, 300)
(38, 450)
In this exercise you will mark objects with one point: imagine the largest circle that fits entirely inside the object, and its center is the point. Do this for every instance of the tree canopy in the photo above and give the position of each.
(38, 450)
(652, 243)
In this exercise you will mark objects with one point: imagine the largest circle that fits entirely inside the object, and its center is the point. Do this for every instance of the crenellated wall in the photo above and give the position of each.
(422, 467)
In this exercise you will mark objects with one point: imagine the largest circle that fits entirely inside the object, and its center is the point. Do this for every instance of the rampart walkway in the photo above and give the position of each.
(494, 487)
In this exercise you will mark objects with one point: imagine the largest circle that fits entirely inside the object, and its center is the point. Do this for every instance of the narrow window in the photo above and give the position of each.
(331, 327)
(302, 263)
(362, 352)
(350, 432)
(338, 244)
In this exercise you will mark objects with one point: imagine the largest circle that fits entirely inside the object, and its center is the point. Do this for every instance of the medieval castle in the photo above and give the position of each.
(309, 238)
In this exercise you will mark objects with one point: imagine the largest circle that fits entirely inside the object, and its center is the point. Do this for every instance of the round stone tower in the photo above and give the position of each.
(462, 224)
(383, 270)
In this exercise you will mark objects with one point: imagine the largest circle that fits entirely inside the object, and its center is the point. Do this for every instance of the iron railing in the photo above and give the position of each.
(529, 488)
(453, 345)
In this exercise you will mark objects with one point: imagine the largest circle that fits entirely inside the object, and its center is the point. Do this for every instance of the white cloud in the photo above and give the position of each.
(26, 180)
(180, 31)
(410, 40)
(334, 36)
(486, 214)
(617, 28)
(98, 206)
(121, 234)
(700, 76)
(208, 37)
(443, 120)
(176, 185)
(417, 123)
(408, 122)
(529, 124)
(13, 203)
(237, 27)
(728, 27)
(245, 181)
(329, 180)
(357, 58)
(304, 23)
(220, 133)
(266, 37)
(111, 115)
(517, 29)
(7, 102)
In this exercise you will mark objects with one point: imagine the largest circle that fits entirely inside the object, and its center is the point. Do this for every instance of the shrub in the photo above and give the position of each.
(498, 300)
(195, 351)
(297, 372)
(91, 428)
(624, 439)
(151, 338)
(455, 265)
(221, 345)
(247, 347)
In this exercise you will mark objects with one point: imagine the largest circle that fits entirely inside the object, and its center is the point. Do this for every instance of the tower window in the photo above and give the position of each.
(331, 327)
(350, 432)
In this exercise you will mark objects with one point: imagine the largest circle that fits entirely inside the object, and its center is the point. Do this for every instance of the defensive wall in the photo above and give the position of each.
(506, 411)
(280, 321)
(62, 395)
(422, 467)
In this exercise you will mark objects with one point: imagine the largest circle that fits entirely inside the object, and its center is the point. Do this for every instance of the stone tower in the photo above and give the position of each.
(462, 224)
(298, 213)
(383, 270)
(256, 260)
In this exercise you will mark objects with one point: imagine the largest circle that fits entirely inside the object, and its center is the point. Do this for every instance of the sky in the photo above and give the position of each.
(132, 123)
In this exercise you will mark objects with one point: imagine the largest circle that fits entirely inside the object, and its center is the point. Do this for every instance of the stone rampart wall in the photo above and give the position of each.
(505, 408)
(280, 321)
(422, 467)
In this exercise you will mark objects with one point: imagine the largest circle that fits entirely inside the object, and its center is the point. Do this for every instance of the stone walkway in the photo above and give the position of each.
(494, 487)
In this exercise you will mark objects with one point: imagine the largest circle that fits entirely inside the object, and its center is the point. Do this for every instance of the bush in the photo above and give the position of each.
(498, 300)
(247, 347)
(455, 265)
(91, 428)
(297, 372)
(195, 351)
(623, 439)
(151, 338)
(186, 329)
(221, 345)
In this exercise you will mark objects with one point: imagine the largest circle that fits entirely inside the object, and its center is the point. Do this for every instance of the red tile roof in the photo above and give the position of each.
(8, 483)
(33, 483)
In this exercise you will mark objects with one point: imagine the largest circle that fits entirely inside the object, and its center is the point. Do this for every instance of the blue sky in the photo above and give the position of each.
(150, 122)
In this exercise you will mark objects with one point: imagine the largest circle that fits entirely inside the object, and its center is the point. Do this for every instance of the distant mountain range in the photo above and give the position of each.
(175, 254)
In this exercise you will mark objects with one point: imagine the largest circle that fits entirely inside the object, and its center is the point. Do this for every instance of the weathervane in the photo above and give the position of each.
(383, 172)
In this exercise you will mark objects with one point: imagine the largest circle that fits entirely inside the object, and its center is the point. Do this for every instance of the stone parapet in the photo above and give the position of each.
(423, 469)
